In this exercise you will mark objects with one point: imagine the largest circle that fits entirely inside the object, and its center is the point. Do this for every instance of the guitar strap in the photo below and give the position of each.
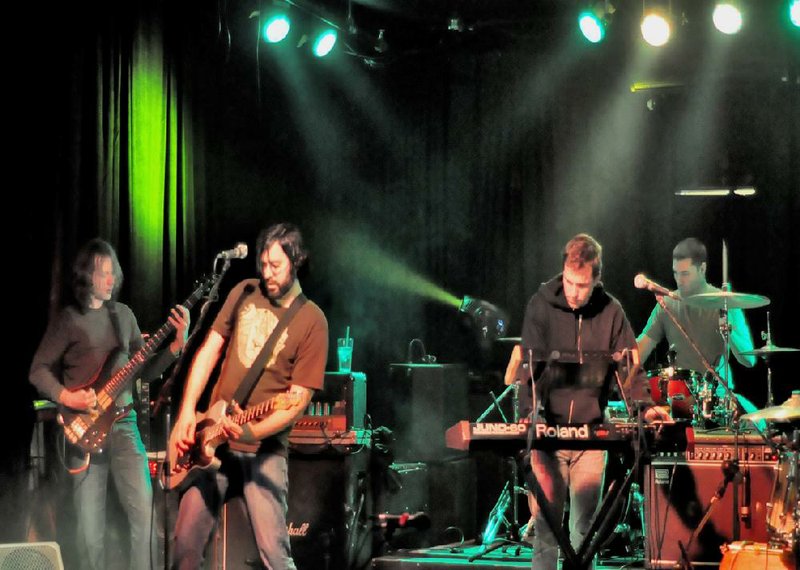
(247, 385)
(114, 316)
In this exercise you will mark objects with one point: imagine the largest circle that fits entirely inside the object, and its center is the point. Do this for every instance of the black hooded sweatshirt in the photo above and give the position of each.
(577, 392)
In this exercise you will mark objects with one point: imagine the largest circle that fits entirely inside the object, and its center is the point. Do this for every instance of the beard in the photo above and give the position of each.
(282, 289)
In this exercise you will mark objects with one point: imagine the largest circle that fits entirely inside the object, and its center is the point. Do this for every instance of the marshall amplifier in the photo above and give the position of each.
(679, 488)
(328, 504)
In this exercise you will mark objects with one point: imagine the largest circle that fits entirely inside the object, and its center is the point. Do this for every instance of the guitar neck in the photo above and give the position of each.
(127, 373)
(248, 415)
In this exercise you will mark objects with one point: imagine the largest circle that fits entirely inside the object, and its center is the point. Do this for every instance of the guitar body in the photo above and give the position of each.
(186, 467)
(88, 429)
(200, 457)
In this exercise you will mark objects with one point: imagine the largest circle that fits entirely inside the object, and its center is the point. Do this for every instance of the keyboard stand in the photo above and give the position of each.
(598, 530)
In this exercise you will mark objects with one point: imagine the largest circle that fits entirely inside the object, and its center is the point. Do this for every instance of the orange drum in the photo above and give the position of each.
(755, 556)
(673, 387)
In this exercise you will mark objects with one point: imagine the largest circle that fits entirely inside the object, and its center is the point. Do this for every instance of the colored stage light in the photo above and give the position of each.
(592, 27)
(794, 13)
(276, 28)
(324, 42)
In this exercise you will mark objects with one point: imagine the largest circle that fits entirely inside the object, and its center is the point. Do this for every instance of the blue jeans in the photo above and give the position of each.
(125, 458)
(580, 473)
(263, 480)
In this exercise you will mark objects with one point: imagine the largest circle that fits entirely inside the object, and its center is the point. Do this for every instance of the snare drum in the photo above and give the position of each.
(673, 387)
(783, 509)
(755, 556)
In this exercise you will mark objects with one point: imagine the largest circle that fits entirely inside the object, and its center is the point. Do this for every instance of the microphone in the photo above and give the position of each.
(642, 282)
(238, 252)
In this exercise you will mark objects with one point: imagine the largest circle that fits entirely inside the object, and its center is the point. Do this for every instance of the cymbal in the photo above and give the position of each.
(788, 411)
(509, 340)
(730, 299)
(767, 350)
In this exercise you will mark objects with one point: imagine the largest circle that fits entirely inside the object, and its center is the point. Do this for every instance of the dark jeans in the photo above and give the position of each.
(263, 480)
(126, 460)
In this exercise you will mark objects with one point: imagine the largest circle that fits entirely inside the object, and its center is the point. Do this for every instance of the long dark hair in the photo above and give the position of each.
(84, 265)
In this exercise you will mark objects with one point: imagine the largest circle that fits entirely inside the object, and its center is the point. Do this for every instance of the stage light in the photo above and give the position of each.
(276, 28)
(594, 20)
(324, 42)
(656, 28)
(727, 18)
(592, 27)
(489, 321)
(794, 12)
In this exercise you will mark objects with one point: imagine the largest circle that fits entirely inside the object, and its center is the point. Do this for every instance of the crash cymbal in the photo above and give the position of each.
(768, 349)
(788, 411)
(730, 299)
(510, 340)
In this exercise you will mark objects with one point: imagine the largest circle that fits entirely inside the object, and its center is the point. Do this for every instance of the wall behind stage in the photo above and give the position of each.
(471, 165)
(463, 169)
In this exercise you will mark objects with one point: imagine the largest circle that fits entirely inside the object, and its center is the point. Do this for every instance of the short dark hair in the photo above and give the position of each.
(690, 248)
(583, 250)
(84, 265)
(291, 240)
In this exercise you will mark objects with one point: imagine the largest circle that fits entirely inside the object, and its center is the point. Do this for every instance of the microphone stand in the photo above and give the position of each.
(164, 398)
(730, 470)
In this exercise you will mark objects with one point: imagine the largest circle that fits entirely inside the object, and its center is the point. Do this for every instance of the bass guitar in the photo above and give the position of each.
(87, 430)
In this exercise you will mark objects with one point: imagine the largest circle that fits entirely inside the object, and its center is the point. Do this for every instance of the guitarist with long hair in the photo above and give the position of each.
(88, 339)
(276, 342)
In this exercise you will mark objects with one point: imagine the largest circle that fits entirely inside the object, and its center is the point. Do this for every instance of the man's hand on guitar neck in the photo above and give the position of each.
(78, 399)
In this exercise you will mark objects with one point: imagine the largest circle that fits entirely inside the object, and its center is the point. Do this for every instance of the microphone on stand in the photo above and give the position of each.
(239, 251)
(642, 282)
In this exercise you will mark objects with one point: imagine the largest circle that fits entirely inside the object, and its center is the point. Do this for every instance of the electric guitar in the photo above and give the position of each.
(209, 435)
(88, 429)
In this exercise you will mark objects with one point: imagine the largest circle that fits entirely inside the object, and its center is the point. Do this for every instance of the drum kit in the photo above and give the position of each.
(694, 396)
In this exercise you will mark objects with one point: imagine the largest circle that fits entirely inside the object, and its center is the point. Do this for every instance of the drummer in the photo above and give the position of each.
(689, 260)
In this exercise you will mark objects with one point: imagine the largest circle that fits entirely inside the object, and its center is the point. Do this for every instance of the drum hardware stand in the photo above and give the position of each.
(767, 337)
(508, 496)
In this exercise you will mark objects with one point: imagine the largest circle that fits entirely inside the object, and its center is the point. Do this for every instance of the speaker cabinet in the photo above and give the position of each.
(32, 555)
(327, 500)
(677, 494)
(426, 399)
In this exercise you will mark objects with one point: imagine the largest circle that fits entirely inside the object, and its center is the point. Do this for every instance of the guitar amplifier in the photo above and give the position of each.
(679, 488)
(340, 406)
(329, 500)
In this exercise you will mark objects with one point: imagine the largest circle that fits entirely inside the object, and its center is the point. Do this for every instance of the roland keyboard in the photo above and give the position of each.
(502, 437)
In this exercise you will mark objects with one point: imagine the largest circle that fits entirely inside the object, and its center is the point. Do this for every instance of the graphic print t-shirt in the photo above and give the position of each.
(246, 321)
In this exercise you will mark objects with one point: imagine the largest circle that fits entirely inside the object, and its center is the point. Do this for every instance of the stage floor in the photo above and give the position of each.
(451, 557)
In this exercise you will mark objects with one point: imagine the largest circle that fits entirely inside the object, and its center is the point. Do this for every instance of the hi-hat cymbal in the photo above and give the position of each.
(509, 340)
(788, 411)
(768, 349)
(729, 299)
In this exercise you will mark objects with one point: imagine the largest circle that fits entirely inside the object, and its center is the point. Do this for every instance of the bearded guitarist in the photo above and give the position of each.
(86, 340)
(275, 342)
